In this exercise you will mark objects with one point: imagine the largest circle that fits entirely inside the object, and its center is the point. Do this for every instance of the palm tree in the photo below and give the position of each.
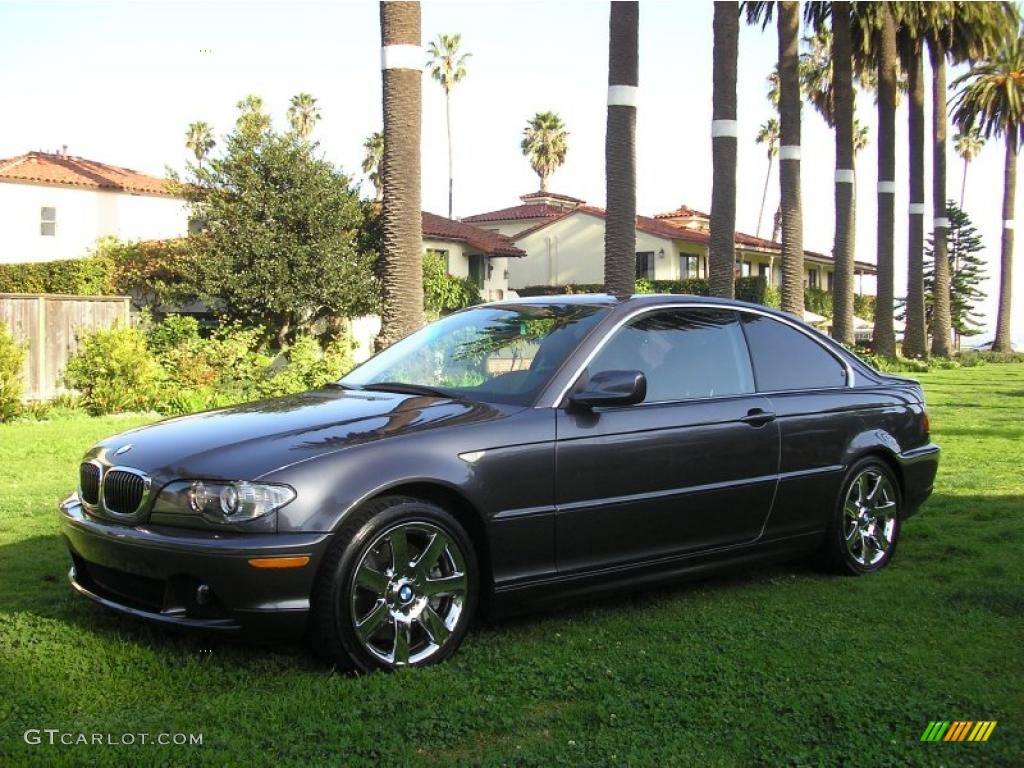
(303, 114)
(911, 51)
(991, 96)
(402, 257)
(789, 149)
(199, 139)
(448, 68)
(374, 155)
(722, 248)
(879, 46)
(968, 146)
(960, 31)
(843, 248)
(767, 134)
(545, 143)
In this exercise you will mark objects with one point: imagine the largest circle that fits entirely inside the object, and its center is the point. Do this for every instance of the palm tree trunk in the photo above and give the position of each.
(402, 272)
(883, 337)
(448, 123)
(789, 160)
(941, 318)
(963, 185)
(722, 248)
(620, 149)
(842, 251)
(764, 192)
(914, 334)
(1002, 342)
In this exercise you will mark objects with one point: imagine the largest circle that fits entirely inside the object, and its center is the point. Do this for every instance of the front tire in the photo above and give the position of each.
(867, 520)
(399, 587)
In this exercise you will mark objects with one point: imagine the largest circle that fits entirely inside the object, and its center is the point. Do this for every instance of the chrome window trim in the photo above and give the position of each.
(574, 379)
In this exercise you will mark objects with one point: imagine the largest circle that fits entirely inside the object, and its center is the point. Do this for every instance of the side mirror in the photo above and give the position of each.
(611, 388)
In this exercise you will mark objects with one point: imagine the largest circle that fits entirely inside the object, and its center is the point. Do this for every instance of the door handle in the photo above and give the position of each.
(758, 417)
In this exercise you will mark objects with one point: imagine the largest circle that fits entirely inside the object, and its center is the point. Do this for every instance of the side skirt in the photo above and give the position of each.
(629, 577)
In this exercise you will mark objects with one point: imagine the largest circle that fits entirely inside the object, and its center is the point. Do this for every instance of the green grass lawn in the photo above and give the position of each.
(774, 666)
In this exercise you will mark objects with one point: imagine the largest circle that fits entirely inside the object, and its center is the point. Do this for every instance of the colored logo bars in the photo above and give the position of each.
(958, 730)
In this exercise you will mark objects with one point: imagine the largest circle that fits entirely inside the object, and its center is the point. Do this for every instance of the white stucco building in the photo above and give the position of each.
(482, 255)
(55, 206)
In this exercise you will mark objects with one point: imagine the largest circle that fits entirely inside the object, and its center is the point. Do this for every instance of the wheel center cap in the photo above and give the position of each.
(405, 594)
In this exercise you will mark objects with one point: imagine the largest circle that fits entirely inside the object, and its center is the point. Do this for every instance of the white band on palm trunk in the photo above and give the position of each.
(623, 95)
(401, 56)
(915, 208)
(724, 129)
(941, 221)
(887, 187)
(789, 152)
(844, 176)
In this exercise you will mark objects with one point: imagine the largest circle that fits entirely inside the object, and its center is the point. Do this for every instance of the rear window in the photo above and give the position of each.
(785, 358)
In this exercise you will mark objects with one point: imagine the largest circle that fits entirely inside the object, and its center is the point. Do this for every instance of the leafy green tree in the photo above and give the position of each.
(966, 272)
(374, 155)
(283, 244)
(443, 292)
(545, 143)
(12, 357)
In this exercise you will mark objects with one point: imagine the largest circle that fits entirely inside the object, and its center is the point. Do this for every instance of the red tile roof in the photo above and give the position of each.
(70, 171)
(552, 196)
(643, 224)
(683, 212)
(519, 213)
(491, 243)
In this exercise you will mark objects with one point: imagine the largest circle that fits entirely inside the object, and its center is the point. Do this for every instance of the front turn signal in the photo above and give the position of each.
(279, 562)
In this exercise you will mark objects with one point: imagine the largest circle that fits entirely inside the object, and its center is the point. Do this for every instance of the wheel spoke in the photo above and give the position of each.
(399, 545)
(426, 561)
(374, 581)
(862, 487)
(881, 540)
(400, 654)
(874, 491)
(434, 625)
(373, 621)
(865, 549)
(447, 585)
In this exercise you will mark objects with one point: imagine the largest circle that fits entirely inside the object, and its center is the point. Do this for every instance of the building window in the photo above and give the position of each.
(441, 254)
(645, 265)
(742, 268)
(762, 270)
(689, 266)
(47, 221)
(830, 278)
(812, 278)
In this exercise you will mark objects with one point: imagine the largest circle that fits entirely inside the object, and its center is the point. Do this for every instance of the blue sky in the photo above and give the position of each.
(119, 83)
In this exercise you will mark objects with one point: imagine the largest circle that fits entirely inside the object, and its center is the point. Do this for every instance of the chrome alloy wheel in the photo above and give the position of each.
(408, 593)
(869, 517)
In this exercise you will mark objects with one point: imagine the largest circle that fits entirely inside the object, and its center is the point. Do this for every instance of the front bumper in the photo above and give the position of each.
(156, 572)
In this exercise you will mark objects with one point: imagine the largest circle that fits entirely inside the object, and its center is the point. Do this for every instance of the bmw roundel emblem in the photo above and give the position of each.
(123, 449)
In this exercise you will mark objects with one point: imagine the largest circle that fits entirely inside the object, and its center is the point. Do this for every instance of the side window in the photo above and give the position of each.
(685, 354)
(48, 221)
(784, 358)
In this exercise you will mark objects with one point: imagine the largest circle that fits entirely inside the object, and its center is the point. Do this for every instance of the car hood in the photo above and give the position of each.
(248, 441)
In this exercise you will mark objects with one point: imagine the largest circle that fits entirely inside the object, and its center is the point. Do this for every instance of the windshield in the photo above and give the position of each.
(501, 354)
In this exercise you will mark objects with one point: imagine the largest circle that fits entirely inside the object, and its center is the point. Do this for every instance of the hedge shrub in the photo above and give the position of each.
(12, 357)
(114, 371)
(91, 276)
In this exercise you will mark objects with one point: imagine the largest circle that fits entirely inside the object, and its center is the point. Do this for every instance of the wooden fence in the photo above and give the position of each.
(50, 326)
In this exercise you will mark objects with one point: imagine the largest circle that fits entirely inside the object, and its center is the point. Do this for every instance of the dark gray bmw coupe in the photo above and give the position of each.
(514, 451)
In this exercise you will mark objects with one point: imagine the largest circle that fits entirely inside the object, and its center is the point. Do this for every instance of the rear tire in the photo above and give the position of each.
(866, 521)
(399, 587)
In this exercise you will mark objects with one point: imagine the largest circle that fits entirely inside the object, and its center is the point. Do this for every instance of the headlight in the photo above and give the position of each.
(223, 502)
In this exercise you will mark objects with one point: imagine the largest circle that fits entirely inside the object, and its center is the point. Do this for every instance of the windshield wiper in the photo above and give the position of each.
(406, 389)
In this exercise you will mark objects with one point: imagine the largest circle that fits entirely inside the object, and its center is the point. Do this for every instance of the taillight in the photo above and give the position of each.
(927, 424)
